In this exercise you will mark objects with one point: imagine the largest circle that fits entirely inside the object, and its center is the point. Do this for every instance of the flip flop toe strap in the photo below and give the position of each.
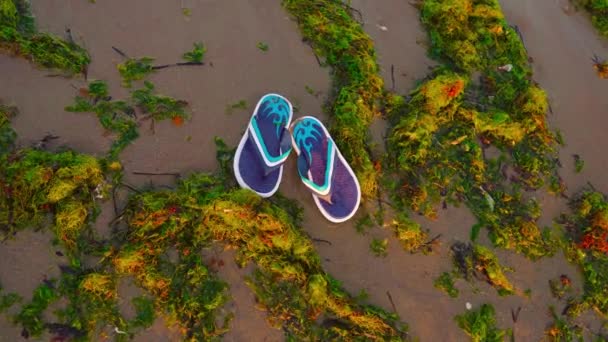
(270, 162)
(304, 165)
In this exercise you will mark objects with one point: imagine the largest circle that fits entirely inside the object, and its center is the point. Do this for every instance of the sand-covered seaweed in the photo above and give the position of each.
(587, 245)
(473, 261)
(439, 143)
(19, 37)
(202, 211)
(36, 183)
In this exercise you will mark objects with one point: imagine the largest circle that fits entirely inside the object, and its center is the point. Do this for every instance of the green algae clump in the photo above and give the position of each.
(18, 36)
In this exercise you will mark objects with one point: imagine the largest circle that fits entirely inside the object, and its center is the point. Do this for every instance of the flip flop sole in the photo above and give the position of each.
(345, 189)
(249, 168)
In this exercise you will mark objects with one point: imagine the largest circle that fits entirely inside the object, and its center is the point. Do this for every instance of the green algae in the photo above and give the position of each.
(134, 69)
(439, 137)
(7, 300)
(598, 10)
(327, 25)
(196, 55)
(480, 325)
(587, 245)
(379, 247)
(478, 262)
(18, 37)
(445, 283)
(202, 210)
(37, 183)
(563, 330)
(119, 116)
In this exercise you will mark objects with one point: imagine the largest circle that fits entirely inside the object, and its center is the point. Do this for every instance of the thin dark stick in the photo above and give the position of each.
(322, 240)
(393, 76)
(158, 67)
(129, 187)
(114, 201)
(317, 58)
(430, 242)
(156, 173)
(352, 9)
(521, 36)
(515, 314)
(390, 298)
(119, 51)
(117, 218)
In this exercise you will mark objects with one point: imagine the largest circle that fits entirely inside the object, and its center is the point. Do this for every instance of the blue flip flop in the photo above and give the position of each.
(264, 147)
(324, 171)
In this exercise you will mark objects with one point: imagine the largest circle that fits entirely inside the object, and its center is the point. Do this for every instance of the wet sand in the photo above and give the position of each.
(560, 44)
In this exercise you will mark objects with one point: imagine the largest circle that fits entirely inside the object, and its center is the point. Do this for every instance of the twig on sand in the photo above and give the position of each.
(114, 200)
(390, 299)
(158, 67)
(322, 240)
(130, 187)
(354, 10)
(521, 36)
(175, 174)
(119, 51)
(515, 314)
(431, 241)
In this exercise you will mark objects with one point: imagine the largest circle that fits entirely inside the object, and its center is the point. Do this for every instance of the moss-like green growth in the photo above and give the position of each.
(438, 140)
(262, 46)
(412, 237)
(379, 247)
(30, 316)
(480, 325)
(135, 69)
(18, 37)
(203, 210)
(119, 116)
(563, 330)
(476, 261)
(445, 283)
(7, 134)
(145, 312)
(196, 55)
(598, 9)
(159, 107)
(240, 105)
(115, 116)
(8, 299)
(560, 286)
(587, 230)
(579, 163)
(37, 183)
(334, 34)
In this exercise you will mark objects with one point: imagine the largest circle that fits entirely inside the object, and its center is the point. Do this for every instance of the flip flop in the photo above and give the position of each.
(324, 171)
(264, 147)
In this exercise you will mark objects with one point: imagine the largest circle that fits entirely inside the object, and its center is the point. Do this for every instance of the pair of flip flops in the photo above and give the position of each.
(267, 143)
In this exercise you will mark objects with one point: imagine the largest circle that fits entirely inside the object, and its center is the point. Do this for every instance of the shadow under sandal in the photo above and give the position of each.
(264, 147)
(324, 171)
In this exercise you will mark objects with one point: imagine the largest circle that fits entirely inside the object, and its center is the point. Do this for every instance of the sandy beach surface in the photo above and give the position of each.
(559, 40)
